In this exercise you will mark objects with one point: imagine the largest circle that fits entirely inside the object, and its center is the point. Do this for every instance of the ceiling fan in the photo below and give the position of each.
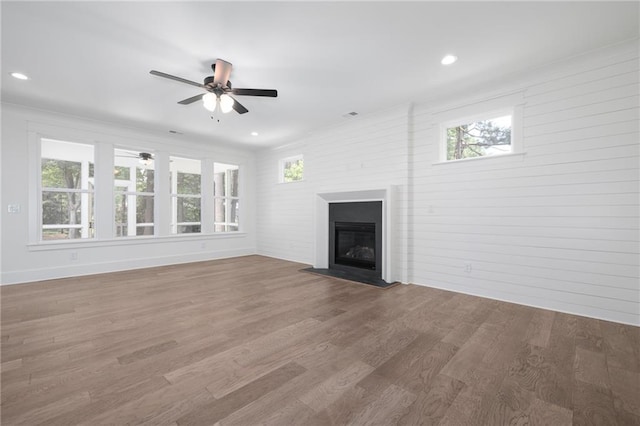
(144, 158)
(217, 89)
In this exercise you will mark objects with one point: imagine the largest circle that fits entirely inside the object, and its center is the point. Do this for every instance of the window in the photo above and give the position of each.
(291, 169)
(133, 178)
(185, 180)
(67, 190)
(482, 137)
(225, 197)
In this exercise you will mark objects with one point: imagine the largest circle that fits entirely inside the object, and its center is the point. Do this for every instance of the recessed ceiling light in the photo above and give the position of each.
(19, 76)
(448, 60)
(254, 133)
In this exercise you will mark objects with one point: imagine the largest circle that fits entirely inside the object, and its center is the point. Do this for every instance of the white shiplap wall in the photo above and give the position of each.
(363, 153)
(556, 227)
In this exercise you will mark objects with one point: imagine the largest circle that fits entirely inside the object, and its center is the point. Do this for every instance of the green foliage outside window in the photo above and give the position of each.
(479, 139)
(293, 170)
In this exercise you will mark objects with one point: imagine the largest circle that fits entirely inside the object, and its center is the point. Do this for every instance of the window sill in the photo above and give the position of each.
(464, 160)
(125, 241)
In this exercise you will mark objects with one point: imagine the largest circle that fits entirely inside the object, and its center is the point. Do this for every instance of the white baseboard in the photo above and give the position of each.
(550, 305)
(30, 275)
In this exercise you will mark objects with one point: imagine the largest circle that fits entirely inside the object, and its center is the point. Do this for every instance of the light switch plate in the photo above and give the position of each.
(13, 208)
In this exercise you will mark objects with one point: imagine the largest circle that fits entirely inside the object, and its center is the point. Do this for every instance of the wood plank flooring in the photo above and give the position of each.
(251, 340)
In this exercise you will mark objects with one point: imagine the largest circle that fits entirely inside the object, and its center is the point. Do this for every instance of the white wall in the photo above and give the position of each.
(555, 228)
(23, 261)
(363, 153)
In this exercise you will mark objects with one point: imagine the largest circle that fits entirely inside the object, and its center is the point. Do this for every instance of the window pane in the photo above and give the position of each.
(219, 211)
(293, 170)
(144, 209)
(479, 139)
(61, 208)
(233, 182)
(234, 211)
(186, 172)
(64, 163)
(61, 174)
(121, 207)
(120, 172)
(144, 230)
(225, 179)
(59, 234)
(188, 229)
(188, 183)
(188, 209)
(144, 179)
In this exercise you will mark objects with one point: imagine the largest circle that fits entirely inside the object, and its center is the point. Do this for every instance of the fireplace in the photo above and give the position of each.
(355, 238)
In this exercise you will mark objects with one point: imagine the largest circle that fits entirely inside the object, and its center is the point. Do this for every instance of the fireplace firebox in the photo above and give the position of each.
(355, 238)
(355, 244)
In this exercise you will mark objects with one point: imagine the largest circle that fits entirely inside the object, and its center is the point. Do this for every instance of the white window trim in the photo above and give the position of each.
(511, 104)
(281, 164)
(104, 146)
(37, 234)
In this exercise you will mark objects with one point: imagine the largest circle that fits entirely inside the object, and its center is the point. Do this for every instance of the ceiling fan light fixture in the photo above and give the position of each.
(449, 59)
(226, 103)
(209, 101)
(19, 76)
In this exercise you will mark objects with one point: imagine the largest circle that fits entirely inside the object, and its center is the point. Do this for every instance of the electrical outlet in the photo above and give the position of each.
(467, 268)
(203, 245)
(73, 256)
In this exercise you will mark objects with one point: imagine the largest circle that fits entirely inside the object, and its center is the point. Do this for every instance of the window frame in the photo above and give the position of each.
(88, 196)
(133, 196)
(511, 104)
(174, 196)
(104, 147)
(281, 168)
(227, 201)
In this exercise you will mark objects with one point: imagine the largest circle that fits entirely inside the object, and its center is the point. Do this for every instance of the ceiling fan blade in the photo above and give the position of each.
(173, 77)
(191, 99)
(238, 107)
(256, 92)
(222, 72)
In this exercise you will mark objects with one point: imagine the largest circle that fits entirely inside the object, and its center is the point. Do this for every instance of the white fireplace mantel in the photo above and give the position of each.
(323, 199)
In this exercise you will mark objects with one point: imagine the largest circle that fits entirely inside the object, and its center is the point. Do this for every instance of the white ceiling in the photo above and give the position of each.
(326, 59)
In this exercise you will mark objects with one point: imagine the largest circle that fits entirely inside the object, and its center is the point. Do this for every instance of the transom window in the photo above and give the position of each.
(185, 180)
(67, 190)
(291, 169)
(481, 137)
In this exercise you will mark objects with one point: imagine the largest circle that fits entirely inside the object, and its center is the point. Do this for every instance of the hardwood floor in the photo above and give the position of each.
(252, 340)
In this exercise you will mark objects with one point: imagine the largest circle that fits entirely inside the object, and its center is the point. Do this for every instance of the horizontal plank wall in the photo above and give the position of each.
(556, 227)
(367, 152)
